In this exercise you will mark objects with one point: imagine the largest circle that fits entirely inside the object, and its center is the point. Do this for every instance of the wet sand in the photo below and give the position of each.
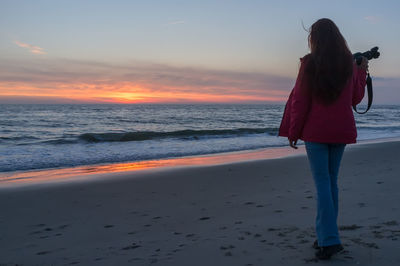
(257, 212)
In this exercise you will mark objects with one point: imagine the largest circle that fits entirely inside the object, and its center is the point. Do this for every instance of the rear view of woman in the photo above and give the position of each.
(319, 112)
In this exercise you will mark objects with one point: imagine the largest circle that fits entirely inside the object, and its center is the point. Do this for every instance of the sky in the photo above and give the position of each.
(221, 51)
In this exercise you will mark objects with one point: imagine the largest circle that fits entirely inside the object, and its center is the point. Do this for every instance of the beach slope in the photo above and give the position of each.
(248, 213)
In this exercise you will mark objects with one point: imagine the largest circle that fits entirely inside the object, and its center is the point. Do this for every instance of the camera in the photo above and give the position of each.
(373, 53)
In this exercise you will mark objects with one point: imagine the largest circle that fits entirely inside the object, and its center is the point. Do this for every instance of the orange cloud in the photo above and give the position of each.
(129, 93)
(33, 49)
(140, 83)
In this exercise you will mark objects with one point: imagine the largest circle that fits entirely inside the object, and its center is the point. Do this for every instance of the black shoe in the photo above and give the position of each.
(325, 253)
(315, 245)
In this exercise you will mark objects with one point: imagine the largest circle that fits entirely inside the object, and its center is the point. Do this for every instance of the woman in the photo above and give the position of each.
(319, 112)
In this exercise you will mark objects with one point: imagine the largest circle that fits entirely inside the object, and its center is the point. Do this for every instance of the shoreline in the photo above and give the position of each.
(91, 173)
(102, 171)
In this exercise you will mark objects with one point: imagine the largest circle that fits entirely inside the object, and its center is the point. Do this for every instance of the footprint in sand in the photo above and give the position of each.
(349, 227)
(132, 246)
(40, 225)
(226, 247)
(246, 233)
(63, 226)
(304, 241)
(43, 252)
(391, 223)
(311, 260)
(48, 229)
(108, 226)
(375, 227)
(365, 244)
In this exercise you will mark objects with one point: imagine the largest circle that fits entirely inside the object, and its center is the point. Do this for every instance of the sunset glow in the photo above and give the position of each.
(125, 93)
(79, 81)
(96, 171)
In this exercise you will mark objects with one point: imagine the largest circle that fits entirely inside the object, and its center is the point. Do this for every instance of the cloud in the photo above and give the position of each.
(33, 49)
(144, 82)
(372, 19)
(48, 79)
(11, 99)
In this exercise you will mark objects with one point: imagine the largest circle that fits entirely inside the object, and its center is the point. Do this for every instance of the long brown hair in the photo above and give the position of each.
(330, 63)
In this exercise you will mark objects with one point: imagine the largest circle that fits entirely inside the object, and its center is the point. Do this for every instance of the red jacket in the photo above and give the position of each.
(306, 118)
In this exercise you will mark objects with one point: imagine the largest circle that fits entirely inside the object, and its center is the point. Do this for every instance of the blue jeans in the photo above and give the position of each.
(324, 162)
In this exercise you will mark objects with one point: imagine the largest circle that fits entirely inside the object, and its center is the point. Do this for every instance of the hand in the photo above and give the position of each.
(293, 143)
(364, 63)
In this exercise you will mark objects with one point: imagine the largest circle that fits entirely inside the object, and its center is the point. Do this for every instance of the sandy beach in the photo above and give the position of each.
(258, 212)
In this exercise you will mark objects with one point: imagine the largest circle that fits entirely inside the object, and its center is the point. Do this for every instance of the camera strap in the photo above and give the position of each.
(369, 90)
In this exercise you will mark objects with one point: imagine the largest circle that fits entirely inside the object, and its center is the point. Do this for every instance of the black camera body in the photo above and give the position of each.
(373, 53)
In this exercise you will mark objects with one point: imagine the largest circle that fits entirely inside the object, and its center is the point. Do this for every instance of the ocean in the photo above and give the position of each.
(58, 136)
